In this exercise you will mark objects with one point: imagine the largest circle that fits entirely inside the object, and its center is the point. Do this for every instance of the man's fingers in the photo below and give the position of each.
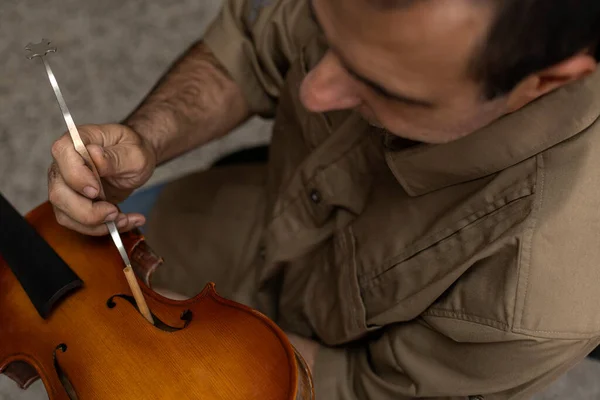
(69, 223)
(73, 169)
(72, 165)
(124, 223)
(120, 156)
(76, 206)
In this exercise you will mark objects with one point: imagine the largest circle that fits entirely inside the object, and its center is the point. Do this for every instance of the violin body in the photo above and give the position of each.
(94, 344)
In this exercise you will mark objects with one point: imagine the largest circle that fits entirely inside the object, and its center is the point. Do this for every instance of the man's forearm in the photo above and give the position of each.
(194, 103)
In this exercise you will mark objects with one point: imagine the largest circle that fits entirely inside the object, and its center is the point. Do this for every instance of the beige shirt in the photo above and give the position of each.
(442, 271)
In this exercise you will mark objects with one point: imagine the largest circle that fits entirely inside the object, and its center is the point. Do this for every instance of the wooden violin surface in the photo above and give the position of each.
(96, 345)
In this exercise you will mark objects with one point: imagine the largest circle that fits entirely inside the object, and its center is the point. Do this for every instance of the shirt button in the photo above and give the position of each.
(315, 196)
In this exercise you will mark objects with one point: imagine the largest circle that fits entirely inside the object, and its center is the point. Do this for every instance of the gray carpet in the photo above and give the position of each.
(110, 54)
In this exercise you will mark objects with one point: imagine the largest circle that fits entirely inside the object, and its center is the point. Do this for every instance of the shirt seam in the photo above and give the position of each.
(353, 310)
(469, 318)
(453, 314)
(524, 260)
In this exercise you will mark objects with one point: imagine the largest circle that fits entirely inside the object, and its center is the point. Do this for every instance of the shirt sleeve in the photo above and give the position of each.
(256, 41)
(425, 359)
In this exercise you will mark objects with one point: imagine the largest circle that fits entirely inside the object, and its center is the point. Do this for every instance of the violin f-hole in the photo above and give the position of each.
(62, 376)
(186, 315)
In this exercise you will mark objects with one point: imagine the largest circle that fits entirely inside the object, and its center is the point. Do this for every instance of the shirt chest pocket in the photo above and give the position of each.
(400, 276)
(384, 268)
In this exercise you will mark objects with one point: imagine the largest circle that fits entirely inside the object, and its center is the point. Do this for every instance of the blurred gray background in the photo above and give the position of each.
(111, 53)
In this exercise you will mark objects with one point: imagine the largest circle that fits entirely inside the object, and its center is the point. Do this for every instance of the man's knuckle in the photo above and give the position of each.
(86, 220)
(54, 196)
(89, 219)
(62, 219)
(58, 147)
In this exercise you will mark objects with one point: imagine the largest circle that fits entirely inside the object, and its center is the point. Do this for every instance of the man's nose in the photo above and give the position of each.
(328, 87)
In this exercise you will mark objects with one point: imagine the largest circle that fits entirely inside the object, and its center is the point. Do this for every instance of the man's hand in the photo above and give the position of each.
(306, 347)
(124, 160)
(194, 103)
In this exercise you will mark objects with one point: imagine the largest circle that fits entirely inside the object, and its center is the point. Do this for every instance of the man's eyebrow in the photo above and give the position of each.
(381, 90)
(374, 85)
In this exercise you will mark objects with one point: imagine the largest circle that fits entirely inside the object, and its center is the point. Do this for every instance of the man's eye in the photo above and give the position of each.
(380, 92)
(383, 93)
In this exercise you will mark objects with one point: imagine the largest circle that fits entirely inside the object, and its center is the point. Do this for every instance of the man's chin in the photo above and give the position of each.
(426, 139)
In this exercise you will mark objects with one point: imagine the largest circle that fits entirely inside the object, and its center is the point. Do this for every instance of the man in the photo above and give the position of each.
(427, 223)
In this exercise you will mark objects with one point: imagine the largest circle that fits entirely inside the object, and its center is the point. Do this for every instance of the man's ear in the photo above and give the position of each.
(543, 82)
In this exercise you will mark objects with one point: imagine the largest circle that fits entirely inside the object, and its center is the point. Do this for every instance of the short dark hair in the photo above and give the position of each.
(528, 36)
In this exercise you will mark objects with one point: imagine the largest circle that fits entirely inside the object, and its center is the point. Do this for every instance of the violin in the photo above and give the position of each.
(67, 316)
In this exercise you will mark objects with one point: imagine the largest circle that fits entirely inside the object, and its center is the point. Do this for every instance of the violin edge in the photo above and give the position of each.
(301, 378)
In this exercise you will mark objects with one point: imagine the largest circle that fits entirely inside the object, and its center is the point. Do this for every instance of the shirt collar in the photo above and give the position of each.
(509, 140)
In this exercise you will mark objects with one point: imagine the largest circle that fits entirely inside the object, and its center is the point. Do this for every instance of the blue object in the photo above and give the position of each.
(142, 201)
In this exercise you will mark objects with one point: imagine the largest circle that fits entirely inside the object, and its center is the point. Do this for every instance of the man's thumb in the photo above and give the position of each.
(108, 161)
(118, 159)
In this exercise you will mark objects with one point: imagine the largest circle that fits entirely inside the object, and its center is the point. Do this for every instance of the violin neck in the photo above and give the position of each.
(44, 276)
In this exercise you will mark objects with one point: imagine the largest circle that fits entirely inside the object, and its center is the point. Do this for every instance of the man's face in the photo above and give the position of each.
(403, 69)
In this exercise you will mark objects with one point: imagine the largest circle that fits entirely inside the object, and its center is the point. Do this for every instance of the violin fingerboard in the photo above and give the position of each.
(44, 276)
